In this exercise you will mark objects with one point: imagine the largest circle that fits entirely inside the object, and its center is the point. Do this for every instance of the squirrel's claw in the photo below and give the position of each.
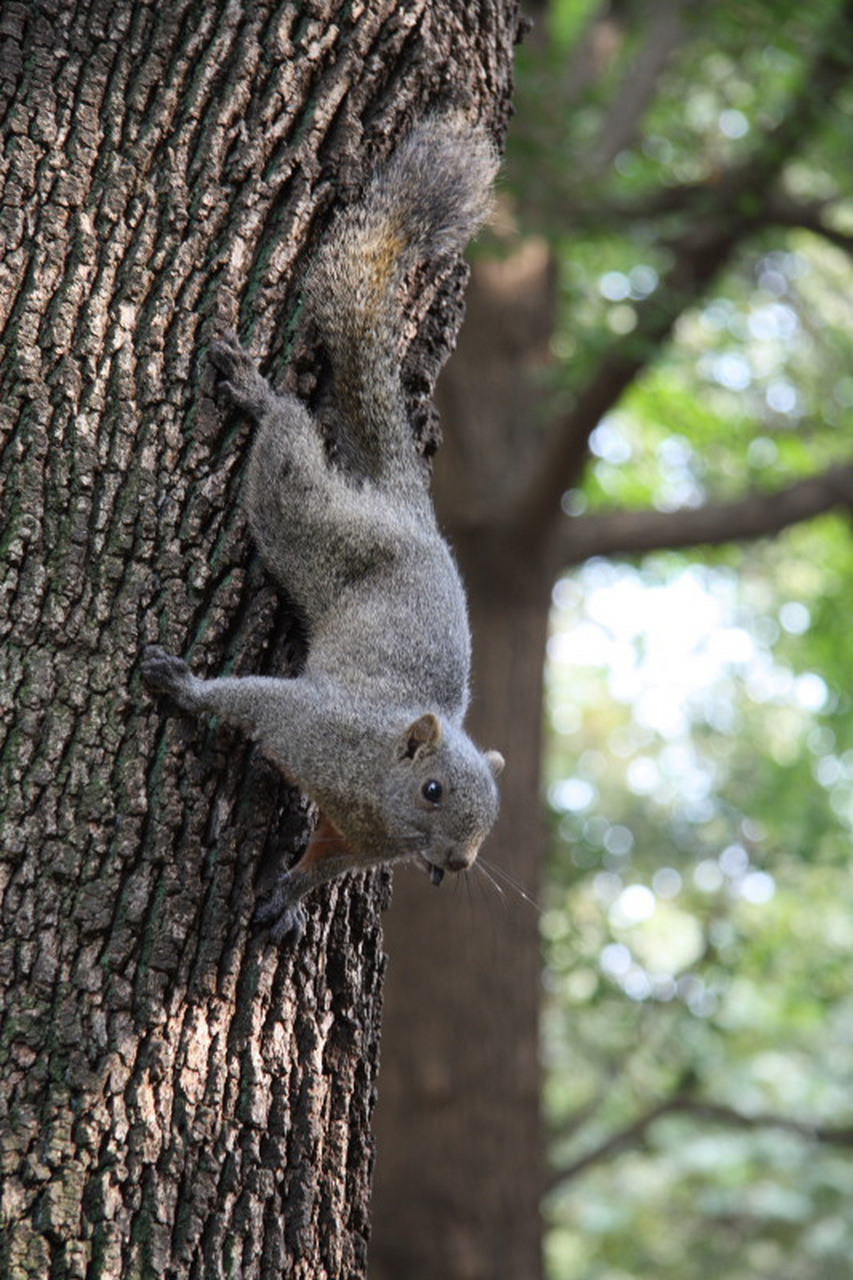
(240, 379)
(167, 674)
(285, 921)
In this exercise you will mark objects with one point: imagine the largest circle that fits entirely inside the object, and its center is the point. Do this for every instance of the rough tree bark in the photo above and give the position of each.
(176, 1096)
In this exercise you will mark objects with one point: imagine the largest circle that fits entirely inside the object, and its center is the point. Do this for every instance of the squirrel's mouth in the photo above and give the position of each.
(436, 874)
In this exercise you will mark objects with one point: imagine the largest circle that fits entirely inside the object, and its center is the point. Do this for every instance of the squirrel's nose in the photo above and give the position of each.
(457, 859)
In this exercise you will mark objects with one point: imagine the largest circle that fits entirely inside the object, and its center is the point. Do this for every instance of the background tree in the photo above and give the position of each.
(612, 396)
(178, 1097)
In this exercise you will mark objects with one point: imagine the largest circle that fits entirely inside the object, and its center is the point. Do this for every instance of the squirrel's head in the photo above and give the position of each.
(441, 795)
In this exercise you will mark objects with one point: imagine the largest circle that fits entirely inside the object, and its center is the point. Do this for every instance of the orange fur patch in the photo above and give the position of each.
(326, 842)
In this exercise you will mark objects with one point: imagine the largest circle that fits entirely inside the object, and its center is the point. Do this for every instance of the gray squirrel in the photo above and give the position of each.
(372, 728)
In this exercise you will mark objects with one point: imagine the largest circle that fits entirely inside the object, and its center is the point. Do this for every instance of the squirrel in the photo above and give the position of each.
(372, 728)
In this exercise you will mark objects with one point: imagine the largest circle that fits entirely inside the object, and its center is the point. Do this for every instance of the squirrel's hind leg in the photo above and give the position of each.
(243, 383)
(283, 919)
(288, 444)
(326, 857)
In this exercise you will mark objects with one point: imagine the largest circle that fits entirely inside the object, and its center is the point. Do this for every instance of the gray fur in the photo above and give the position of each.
(378, 710)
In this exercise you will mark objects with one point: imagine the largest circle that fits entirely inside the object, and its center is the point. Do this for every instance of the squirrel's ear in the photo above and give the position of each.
(424, 734)
(496, 763)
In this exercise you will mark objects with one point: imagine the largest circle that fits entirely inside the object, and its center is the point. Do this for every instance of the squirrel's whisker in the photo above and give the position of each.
(496, 874)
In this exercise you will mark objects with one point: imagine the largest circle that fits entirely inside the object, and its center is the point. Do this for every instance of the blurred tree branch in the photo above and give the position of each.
(665, 30)
(784, 211)
(633, 1135)
(733, 208)
(756, 515)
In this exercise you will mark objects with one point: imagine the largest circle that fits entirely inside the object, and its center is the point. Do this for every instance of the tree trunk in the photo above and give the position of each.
(458, 1179)
(177, 1097)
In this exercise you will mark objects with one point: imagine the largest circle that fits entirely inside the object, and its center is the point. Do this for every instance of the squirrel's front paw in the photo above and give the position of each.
(284, 919)
(168, 674)
(243, 383)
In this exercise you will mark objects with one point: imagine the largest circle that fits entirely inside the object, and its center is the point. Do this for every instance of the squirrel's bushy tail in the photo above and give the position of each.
(425, 202)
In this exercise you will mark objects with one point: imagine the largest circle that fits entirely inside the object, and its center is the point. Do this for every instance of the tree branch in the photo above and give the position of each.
(634, 1134)
(737, 205)
(701, 200)
(786, 212)
(665, 31)
(717, 1113)
(757, 515)
(625, 1139)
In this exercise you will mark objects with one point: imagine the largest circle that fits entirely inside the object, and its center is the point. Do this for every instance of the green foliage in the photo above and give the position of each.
(698, 931)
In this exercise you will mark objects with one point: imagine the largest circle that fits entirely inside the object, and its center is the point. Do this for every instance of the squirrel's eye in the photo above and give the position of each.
(432, 791)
